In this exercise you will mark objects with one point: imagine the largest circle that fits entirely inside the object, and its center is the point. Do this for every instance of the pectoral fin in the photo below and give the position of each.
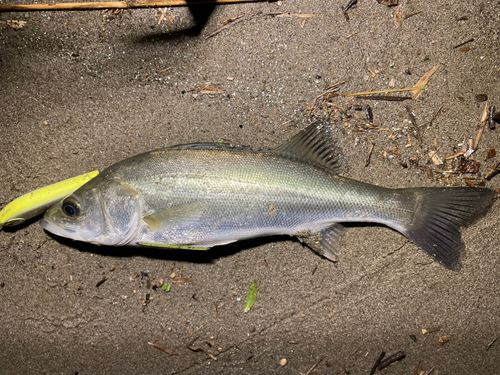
(175, 216)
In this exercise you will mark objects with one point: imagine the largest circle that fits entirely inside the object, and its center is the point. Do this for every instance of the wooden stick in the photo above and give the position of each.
(115, 5)
(386, 91)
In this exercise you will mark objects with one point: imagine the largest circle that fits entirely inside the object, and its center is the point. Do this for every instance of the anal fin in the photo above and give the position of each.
(324, 242)
(172, 247)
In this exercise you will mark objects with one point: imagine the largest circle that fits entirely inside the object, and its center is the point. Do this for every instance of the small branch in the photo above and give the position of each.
(377, 363)
(385, 91)
(370, 155)
(492, 172)
(232, 22)
(387, 98)
(464, 43)
(435, 115)
(115, 5)
(314, 366)
(168, 351)
(491, 343)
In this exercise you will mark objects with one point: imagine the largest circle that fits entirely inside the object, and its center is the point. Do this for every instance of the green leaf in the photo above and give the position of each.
(251, 296)
(165, 287)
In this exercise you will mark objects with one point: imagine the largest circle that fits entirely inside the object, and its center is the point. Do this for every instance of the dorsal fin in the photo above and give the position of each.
(315, 145)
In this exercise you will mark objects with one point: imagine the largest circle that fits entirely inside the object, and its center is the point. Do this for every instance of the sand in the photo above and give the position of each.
(83, 90)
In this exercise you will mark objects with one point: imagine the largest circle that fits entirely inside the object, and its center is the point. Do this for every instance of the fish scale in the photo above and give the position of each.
(239, 199)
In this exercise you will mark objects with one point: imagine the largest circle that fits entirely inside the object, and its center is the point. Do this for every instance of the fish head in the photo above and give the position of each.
(100, 212)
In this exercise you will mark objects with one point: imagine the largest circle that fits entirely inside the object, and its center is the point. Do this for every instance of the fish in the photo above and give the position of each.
(201, 195)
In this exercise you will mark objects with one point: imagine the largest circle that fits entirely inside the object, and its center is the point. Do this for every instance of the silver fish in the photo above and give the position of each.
(201, 195)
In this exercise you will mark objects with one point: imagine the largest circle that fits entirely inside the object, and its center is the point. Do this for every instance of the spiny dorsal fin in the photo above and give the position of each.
(314, 144)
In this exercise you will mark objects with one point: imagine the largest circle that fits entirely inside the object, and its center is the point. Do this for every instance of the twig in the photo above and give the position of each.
(115, 5)
(100, 282)
(492, 172)
(377, 363)
(464, 43)
(393, 358)
(435, 115)
(330, 88)
(416, 369)
(328, 91)
(369, 155)
(455, 155)
(406, 16)
(233, 22)
(291, 15)
(384, 97)
(168, 351)
(484, 119)
(196, 330)
(491, 343)
(196, 349)
(421, 87)
(314, 366)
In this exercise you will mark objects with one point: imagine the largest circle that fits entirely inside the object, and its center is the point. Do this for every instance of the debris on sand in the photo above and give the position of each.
(100, 282)
(493, 172)
(424, 81)
(443, 340)
(207, 88)
(391, 359)
(377, 363)
(490, 344)
(168, 351)
(251, 296)
(15, 24)
(347, 7)
(389, 3)
(230, 22)
(314, 366)
(463, 43)
(368, 159)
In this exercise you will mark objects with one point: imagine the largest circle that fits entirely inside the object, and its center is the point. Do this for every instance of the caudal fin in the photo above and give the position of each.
(439, 214)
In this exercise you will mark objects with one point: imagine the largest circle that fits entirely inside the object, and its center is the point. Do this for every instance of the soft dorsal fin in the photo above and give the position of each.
(314, 144)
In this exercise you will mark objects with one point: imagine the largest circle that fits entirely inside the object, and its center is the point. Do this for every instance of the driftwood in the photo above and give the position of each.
(115, 4)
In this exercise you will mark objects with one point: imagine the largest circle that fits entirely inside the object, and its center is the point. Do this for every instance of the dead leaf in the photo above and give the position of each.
(15, 24)
(469, 166)
(435, 158)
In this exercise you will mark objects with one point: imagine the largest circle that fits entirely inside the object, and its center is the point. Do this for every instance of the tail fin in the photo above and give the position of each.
(439, 214)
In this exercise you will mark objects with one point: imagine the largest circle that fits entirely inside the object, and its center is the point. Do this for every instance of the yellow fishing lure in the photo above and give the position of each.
(38, 201)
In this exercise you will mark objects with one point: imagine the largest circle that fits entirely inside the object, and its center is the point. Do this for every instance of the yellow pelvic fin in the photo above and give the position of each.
(180, 247)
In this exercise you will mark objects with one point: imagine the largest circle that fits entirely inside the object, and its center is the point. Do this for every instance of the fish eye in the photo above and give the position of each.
(71, 207)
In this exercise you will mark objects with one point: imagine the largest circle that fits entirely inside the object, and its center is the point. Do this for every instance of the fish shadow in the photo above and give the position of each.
(181, 255)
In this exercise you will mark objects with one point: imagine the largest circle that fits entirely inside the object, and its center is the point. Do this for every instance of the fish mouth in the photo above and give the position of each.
(57, 229)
